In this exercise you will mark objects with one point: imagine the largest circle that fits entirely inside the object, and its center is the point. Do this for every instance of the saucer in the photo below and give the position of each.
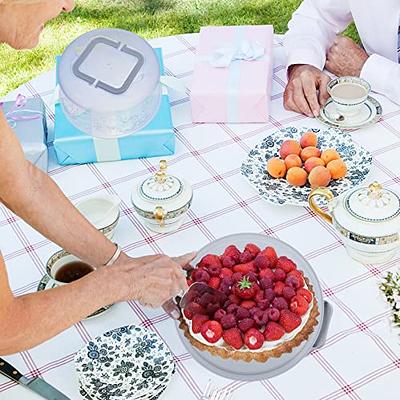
(45, 283)
(370, 113)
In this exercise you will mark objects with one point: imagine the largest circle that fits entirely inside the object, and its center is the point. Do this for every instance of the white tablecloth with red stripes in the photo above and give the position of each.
(361, 358)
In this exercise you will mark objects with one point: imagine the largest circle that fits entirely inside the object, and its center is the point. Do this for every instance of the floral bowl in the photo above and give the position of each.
(279, 191)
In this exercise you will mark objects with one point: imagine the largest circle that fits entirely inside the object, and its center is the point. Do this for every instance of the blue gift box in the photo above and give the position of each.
(73, 146)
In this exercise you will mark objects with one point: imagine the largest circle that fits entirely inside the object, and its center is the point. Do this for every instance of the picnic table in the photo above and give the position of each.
(361, 357)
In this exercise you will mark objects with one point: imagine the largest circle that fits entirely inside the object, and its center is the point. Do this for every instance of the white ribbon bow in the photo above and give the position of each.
(245, 50)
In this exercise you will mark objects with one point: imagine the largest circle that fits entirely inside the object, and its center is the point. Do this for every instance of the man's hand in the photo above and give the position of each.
(306, 90)
(345, 57)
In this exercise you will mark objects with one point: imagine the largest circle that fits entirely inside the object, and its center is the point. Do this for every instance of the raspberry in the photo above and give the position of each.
(214, 282)
(269, 294)
(299, 305)
(254, 339)
(280, 303)
(252, 249)
(278, 288)
(263, 304)
(237, 276)
(242, 313)
(227, 262)
(299, 275)
(228, 321)
(232, 309)
(245, 268)
(195, 308)
(252, 276)
(293, 282)
(259, 296)
(279, 275)
(227, 280)
(273, 314)
(271, 254)
(266, 273)
(273, 331)
(249, 304)
(306, 294)
(219, 314)
(246, 257)
(232, 252)
(286, 264)
(289, 320)
(200, 275)
(225, 289)
(197, 322)
(225, 273)
(206, 299)
(254, 310)
(214, 270)
(233, 337)
(210, 259)
(212, 308)
(266, 283)
(260, 318)
(288, 292)
(211, 331)
(246, 324)
(261, 262)
(234, 299)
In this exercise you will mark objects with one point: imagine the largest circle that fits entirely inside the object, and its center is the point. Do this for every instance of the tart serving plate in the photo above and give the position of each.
(279, 191)
(253, 370)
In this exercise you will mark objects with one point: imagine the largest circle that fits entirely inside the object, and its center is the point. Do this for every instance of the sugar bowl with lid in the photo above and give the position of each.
(162, 201)
(367, 219)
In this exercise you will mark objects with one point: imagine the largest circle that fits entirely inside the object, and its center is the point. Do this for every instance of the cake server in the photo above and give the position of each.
(37, 385)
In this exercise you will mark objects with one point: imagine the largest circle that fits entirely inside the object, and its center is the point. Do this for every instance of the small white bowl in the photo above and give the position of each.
(102, 211)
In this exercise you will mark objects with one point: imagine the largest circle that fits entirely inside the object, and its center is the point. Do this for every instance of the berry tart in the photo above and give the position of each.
(267, 310)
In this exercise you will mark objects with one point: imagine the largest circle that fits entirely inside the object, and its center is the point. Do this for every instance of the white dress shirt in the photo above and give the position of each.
(316, 23)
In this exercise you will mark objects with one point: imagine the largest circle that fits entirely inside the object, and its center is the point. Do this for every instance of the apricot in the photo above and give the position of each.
(293, 160)
(289, 147)
(319, 176)
(309, 139)
(329, 155)
(296, 176)
(276, 167)
(337, 168)
(313, 162)
(309, 152)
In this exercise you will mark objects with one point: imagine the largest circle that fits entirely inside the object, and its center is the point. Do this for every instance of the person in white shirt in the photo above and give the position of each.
(312, 44)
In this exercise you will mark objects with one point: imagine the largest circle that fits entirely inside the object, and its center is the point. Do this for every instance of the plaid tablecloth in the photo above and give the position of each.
(361, 358)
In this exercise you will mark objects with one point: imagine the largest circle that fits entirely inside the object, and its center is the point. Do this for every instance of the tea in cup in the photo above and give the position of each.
(348, 94)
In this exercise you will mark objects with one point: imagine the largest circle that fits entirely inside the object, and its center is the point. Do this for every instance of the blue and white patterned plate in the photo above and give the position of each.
(279, 191)
(130, 362)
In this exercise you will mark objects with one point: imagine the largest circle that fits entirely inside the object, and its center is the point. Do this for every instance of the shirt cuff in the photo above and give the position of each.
(376, 70)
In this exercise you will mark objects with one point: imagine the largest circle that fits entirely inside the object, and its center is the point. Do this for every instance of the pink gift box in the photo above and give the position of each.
(239, 92)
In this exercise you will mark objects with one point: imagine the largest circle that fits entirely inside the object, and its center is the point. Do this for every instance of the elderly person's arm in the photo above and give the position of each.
(312, 31)
(29, 320)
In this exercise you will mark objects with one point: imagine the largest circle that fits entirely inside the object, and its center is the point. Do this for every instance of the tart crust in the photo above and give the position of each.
(260, 356)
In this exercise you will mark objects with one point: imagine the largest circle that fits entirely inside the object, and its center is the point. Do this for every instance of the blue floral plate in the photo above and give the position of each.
(130, 362)
(279, 191)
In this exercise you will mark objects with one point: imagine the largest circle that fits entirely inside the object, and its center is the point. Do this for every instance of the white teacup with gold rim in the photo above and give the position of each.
(367, 218)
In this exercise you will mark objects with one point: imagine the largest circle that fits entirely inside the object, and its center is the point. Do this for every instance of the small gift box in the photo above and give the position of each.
(232, 74)
(73, 146)
(27, 118)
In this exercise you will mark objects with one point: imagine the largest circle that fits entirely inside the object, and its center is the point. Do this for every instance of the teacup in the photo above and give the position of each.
(348, 94)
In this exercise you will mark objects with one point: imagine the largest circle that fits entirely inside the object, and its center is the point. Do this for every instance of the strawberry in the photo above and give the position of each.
(306, 294)
(252, 249)
(232, 252)
(248, 304)
(286, 264)
(271, 254)
(259, 296)
(214, 282)
(233, 337)
(273, 331)
(211, 331)
(188, 314)
(289, 320)
(189, 281)
(299, 305)
(262, 261)
(225, 272)
(266, 273)
(254, 339)
(278, 288)
(245, 289)
(208, 260)
(234, 298)
(197, 322)
(245, 268)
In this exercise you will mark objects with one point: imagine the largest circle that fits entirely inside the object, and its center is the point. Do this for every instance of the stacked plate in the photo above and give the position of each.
(130, 362)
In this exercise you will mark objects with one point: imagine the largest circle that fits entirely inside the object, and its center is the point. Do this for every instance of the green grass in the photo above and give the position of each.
(148, 18)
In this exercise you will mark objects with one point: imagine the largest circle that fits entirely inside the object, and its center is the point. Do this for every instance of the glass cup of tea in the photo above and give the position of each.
(348, 94)
(63, 268)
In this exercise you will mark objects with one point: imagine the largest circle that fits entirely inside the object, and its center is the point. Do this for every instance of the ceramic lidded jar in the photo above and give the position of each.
(367, 218)
(162, 201)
